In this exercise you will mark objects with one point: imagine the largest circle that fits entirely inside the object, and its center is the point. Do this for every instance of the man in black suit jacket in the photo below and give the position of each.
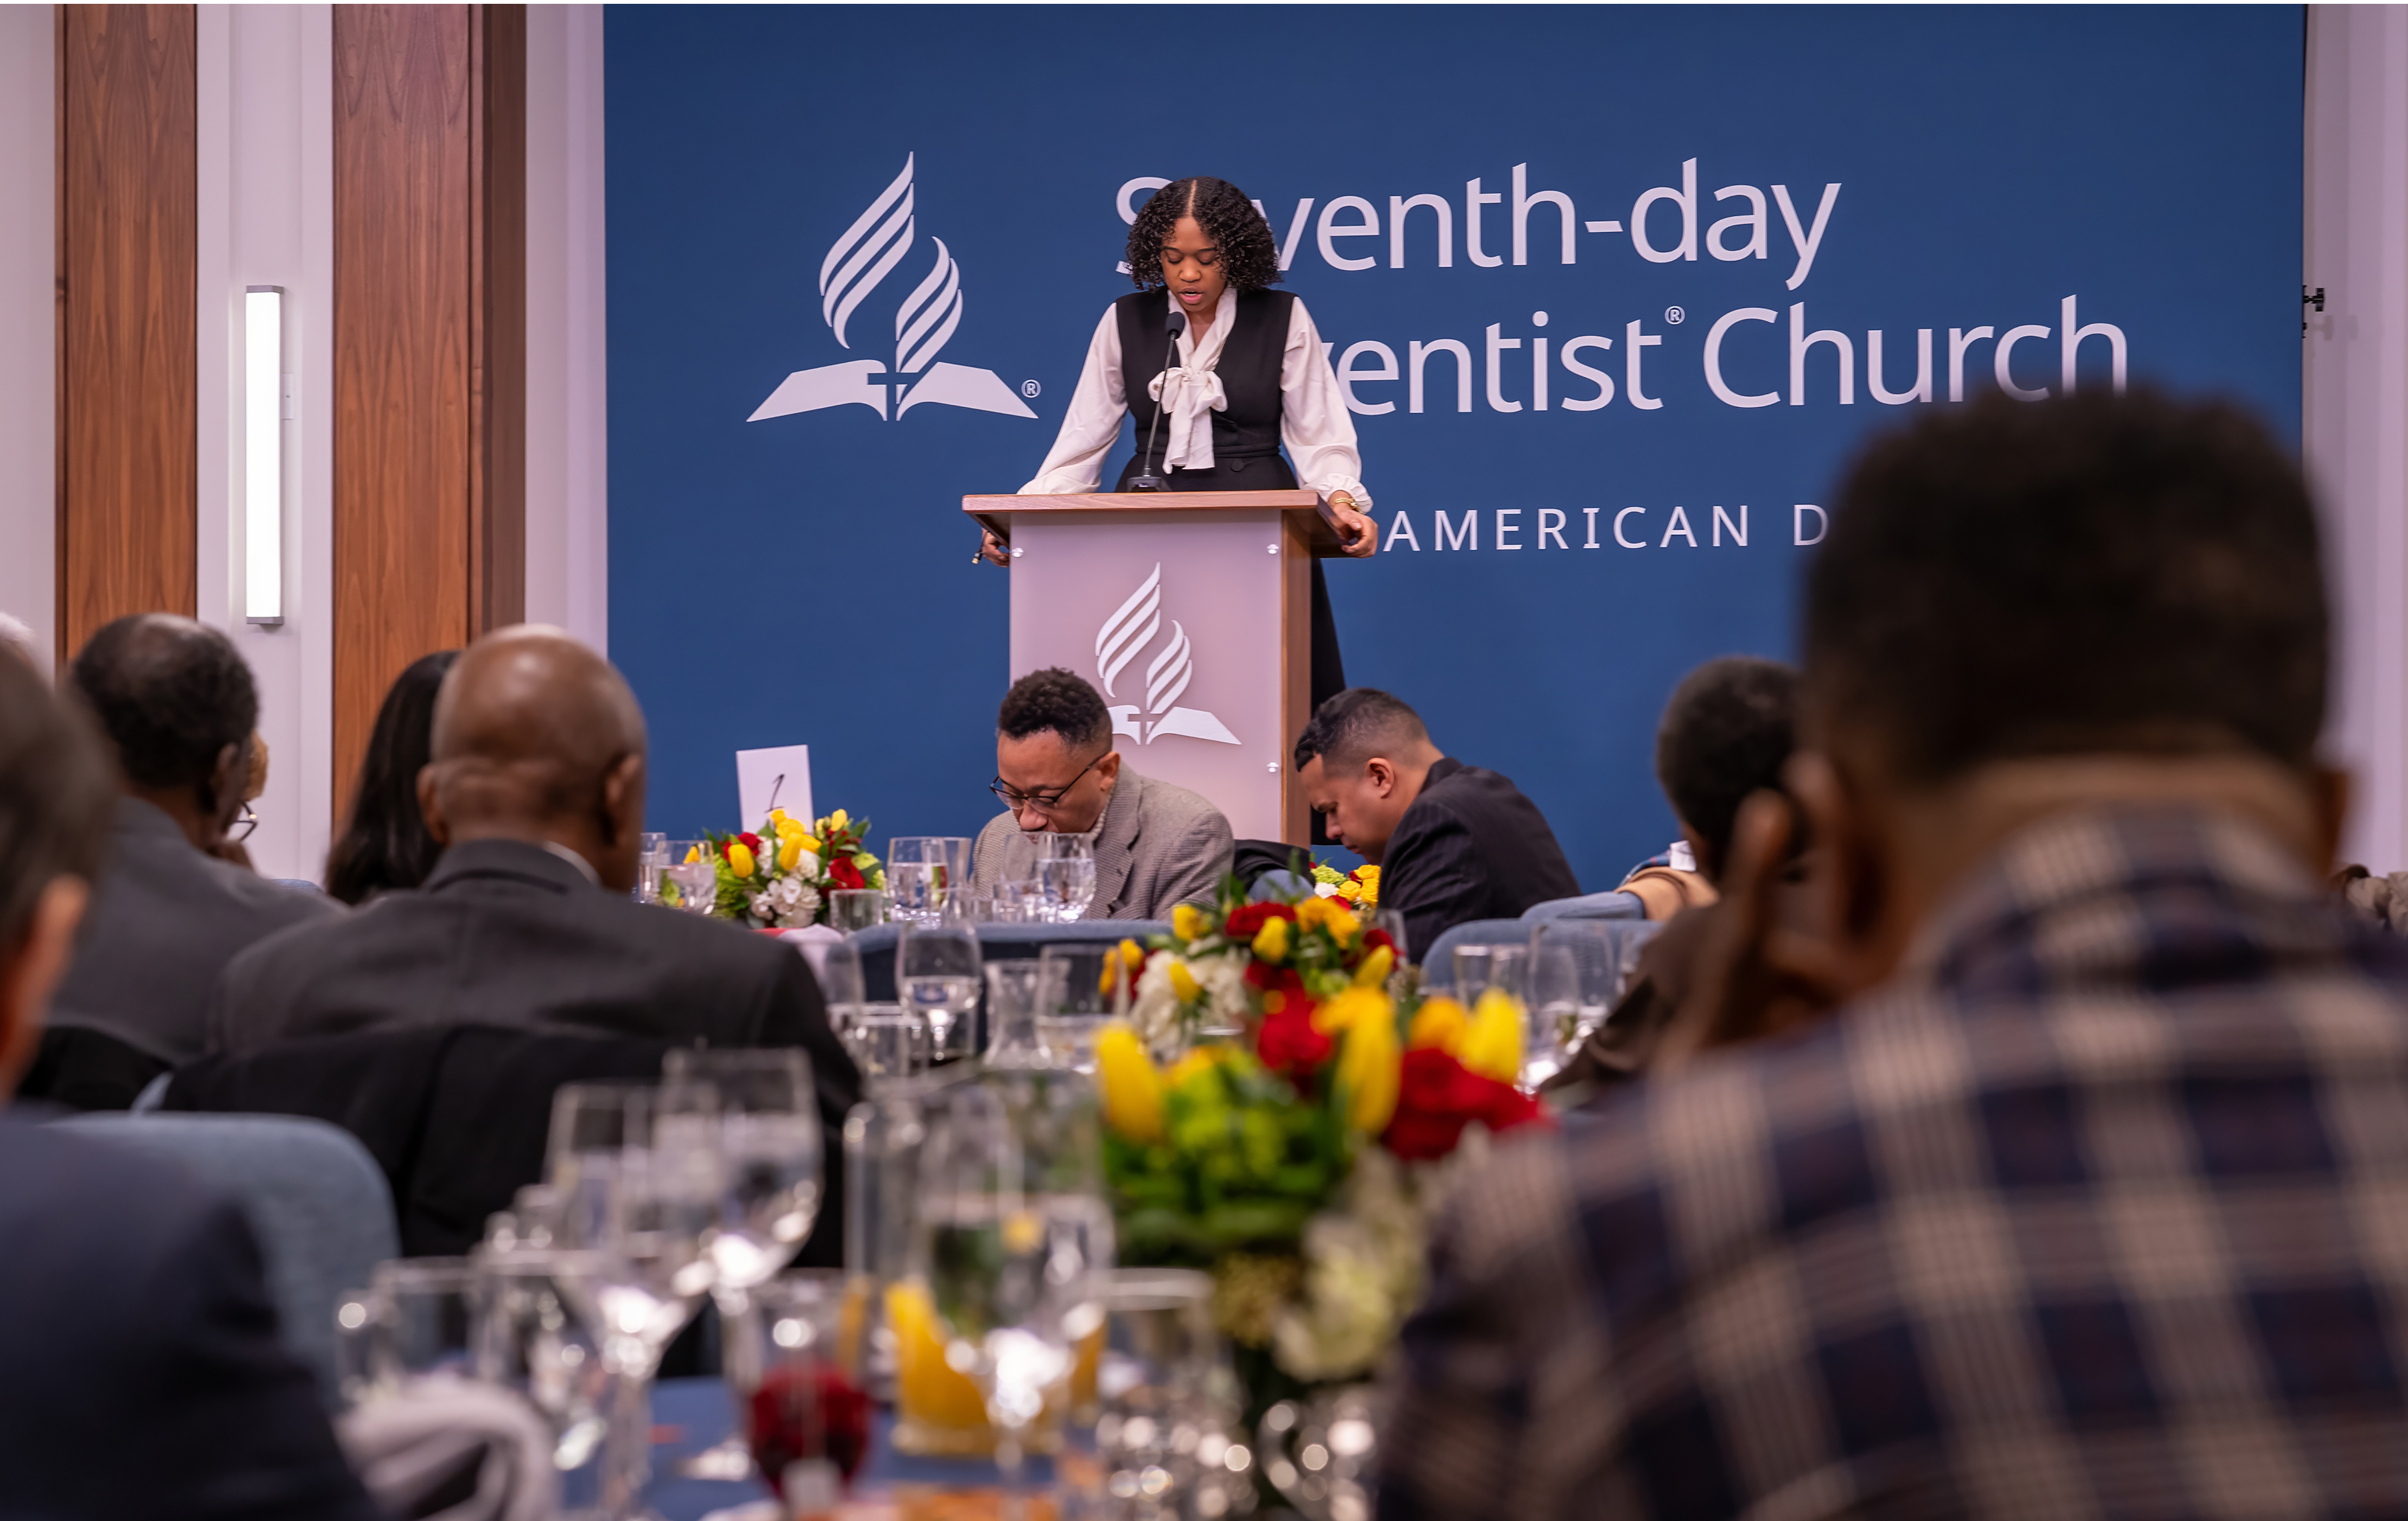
(537, 793)
(140, 1373)
(1452, 842)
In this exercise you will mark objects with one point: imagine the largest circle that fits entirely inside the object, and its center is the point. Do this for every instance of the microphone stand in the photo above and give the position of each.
(1176, 325)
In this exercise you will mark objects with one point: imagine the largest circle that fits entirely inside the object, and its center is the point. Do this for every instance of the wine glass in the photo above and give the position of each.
(1065, 875)
(636, 1168)
(1012, 1268)
(1551, 1010)
(886, 1042)
(1480, 967)
(771, 1191)
(919, 870)
(1081, 989)
(937, 976)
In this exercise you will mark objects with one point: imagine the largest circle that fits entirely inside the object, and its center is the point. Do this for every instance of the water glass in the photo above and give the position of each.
(1551, 1010)
(937, 977)
(1012, 1270)
(1595, 949)
(1013, 990)
(804, 1416)
(888, 1041)
(529, 1339)
(841, 986)
(652, 862)
(851, 909)
(1081, 989)
(696, 880)
(425, 1314)
(1170, 1397)
(1480, 967)
(1065, 875)
(1020, 902)
(921, 871)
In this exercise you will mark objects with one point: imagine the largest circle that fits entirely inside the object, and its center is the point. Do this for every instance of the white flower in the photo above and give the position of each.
(1153, 1009)
(1363, 1275)
(793, 902)
(1325, 889)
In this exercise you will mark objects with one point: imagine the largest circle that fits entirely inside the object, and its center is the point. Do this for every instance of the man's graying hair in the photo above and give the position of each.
(1355, 725)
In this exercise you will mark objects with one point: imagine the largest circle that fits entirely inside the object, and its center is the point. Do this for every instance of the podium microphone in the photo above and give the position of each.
(1175, 324)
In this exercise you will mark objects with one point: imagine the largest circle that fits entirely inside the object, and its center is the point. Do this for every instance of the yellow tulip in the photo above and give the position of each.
(1270, 942)
(1132, 1089)
(1190, 923)
(1351, 1007)
(1376, 967)
(788, 854)
(1369, 1069)
(787, 828)
(1197, 1061)
(837, 820)
(1438, 1024)
(807, 843)
(1367, 873)
(1492, 1046)
(1131, 956)
(821, 827)
(693, 854)
(1182, 981)
(740, 859)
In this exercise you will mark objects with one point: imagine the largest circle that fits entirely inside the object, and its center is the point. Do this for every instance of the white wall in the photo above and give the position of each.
(2356, 397)
(28, 313)
(266, 166)
(567, 415)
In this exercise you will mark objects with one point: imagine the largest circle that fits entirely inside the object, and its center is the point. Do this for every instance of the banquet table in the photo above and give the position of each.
(691, 1414)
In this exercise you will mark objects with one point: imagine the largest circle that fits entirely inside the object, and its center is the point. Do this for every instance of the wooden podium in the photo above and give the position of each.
(1192, 612)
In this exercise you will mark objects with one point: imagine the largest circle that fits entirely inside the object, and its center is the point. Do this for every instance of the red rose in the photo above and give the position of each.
(1265, 978)
(1246, 923)
(1287, 1042)
(751, 841)
(1436, 1097)
(842, 872)
(1374, 939)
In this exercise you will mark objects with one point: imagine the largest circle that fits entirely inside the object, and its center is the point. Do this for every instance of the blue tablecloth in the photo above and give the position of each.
(695, 1413)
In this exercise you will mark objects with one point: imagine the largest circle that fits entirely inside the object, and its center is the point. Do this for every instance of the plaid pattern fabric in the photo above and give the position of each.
(2100, 1209)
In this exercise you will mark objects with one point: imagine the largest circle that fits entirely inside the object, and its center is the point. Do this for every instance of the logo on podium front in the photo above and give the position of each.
(869, 250)
(1126, 634)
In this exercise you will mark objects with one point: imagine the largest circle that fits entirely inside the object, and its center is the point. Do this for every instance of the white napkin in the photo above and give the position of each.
(451, 1449)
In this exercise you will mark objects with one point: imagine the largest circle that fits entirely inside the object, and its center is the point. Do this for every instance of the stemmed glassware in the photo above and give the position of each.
(1065, 875)
(771, 1186)
(937, 976)
(1575, 974)
(1080, 989)
(921, 870)
(1012, 1252)
(638, 1172)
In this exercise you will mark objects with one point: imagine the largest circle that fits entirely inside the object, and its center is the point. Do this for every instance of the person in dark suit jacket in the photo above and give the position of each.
(537, 793)
(178, 705)
(1452, 842)
(140, 1373)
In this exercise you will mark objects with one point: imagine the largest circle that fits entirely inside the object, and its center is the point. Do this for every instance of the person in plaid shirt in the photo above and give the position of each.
(2055, 1164)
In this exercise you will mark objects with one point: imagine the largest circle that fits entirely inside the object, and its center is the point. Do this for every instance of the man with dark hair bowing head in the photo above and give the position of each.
(140, 1373)
(1154, 845)
(536, 794)
(1452, 842)
(2059, 1169)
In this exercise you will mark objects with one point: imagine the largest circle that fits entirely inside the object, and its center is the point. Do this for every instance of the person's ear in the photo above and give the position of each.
(1381, 774)
(228, 779)
(1850, 882)
(623, 800)
(430, 804)
(1709, 866)
(27, 978)
(2332, 786)
(1108, 771)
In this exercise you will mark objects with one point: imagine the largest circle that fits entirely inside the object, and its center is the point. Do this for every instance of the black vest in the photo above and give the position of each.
(1249, 369)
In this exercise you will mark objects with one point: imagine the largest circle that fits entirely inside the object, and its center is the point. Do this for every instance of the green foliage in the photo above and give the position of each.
(1244, 1162)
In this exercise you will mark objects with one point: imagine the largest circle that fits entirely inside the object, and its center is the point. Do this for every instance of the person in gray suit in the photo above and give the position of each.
(1156, 845)
(536, 794)
(178, 705)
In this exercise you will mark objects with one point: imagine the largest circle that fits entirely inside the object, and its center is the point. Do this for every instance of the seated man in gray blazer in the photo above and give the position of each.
(537, 793)
(1156, 845)
(178, 705)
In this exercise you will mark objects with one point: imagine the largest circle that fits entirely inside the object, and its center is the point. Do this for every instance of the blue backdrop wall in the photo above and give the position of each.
(1734, 182)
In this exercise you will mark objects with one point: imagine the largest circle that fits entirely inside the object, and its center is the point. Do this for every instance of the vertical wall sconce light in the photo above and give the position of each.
(263, 453)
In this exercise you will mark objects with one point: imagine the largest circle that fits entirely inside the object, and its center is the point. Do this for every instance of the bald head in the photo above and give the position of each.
(537, 739)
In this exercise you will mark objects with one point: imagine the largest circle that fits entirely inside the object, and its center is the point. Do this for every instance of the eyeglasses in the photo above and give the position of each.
(244, 823)
(1046, 801)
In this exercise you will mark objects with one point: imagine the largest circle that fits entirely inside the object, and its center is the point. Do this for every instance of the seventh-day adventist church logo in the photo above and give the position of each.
(869, 250)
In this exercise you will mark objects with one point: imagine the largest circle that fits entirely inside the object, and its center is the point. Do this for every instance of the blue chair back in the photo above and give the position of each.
(316, 1200)
(1614, 905)
(1438, 968)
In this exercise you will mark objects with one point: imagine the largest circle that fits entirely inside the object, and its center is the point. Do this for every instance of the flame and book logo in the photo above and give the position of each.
(1126, 635)
(870, 249)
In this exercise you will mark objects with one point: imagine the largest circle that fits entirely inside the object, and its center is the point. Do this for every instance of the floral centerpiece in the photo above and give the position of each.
(1298, 1157)
(1359, 887)
(780, 879)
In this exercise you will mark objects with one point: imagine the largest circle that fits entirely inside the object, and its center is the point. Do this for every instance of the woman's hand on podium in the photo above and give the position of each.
(1357, 535)
(991, 550)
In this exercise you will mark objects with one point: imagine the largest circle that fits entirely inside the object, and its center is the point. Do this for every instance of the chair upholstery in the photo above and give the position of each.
(996, 942)
(316, 1200)
(1438, 968)
(1614, 905)
(87, 1069)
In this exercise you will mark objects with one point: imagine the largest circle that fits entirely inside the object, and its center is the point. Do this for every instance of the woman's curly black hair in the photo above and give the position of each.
(1248, 251)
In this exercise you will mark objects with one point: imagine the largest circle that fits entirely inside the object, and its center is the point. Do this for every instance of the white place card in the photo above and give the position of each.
(768, 779)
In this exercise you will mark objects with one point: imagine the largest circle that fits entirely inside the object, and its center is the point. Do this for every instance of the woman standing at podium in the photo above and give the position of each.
(1245, 374)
